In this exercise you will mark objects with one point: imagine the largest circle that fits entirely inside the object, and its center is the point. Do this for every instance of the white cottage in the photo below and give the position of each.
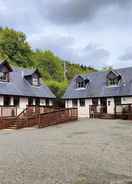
(107, 93)
(19, 88)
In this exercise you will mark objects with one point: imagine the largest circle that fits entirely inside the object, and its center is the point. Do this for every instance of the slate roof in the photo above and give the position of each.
(18, 85)
(97, 86)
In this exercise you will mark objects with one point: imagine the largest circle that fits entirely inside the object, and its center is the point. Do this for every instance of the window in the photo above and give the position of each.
(30, 101)
(47, 102)
(37, 101)
(16, 101)
(80, 84)
(118, 100)
(35, 81)
(4, 76)
(108, 103)
(95, 101)
(113, 82)
(74, 103)
(82, 102)
(7, 100)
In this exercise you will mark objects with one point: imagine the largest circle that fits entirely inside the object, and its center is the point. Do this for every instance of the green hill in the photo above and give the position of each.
(15, 48)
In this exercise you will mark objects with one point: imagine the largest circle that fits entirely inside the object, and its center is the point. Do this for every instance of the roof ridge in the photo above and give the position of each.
(116, 70)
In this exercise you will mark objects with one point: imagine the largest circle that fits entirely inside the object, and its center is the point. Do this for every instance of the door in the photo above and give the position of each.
(103, 102)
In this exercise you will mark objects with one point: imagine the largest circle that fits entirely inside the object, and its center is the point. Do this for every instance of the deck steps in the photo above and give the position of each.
(12, 127)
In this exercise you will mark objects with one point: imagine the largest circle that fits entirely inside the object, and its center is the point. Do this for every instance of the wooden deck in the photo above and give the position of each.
(40, 117)
(123, 111)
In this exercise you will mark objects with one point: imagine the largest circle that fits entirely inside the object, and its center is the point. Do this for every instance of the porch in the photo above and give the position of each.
(123, 111)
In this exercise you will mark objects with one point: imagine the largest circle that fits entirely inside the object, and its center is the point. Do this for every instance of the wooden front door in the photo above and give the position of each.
(103, 102)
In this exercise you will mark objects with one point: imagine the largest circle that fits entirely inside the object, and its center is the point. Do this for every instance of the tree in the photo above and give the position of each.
(14, 47)
(50, 65)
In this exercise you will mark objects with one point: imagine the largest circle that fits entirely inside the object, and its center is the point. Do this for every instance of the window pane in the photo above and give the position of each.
(16, 101)
(74, 103)
(47, 102)
(30, 101)
(82, 102)
(7, 101)
(81, 84)
(118, 100)
(37, 101)
(3, 76)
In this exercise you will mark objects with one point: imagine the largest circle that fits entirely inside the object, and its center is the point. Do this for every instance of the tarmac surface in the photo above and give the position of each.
(80, 152)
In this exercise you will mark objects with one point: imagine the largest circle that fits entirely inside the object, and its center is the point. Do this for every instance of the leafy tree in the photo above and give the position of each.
(58, 88)
(14, 47)
(50, 65)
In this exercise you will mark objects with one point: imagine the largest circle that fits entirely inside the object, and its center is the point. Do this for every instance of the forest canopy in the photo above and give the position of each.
(15, 48)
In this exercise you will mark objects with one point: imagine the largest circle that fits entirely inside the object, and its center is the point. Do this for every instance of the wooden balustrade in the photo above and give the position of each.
(57, 117)
(8, 111)
(45, 119)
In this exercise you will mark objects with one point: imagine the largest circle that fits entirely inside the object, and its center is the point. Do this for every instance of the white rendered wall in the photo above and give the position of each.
(42, 102)
(126, 100)
(83, 111)
(111, 107)
(12, 101)
(22, 105)
(50, 102)
(1, 100)
(68, 103)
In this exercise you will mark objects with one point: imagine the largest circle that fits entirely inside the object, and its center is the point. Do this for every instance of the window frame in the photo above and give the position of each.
(117, 100)
(4, 77)
(30, 101)
(35, 81)
(74, 102)
(16, 101)
(47, 102)
(82, 102)
(113, 82)
(7, 101)
(80, 84)
(37, 101)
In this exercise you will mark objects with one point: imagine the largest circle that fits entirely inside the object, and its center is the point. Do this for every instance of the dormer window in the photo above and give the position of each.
(5, 69)
(113, 78)
(4, 77)
(35, 81)
(33, 77)
(81, 82)
(113, 82)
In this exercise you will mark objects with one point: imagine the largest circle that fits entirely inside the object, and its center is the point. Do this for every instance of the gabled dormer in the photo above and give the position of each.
(5, 70)
(33, 77)
(81, 82)
(113, 78)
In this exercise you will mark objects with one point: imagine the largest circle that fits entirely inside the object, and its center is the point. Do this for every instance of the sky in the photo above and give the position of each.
(95, 33)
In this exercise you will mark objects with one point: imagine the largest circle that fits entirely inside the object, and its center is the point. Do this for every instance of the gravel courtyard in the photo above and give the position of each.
(83, 152)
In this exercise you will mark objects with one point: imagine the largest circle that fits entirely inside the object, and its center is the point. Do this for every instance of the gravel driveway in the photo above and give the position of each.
(83, 152)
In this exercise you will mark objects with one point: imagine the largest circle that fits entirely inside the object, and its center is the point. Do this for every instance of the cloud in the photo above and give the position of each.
(91, 32)
(66, 47)
(94, 55)
(78, 11)
(127, 56)
(61, 45)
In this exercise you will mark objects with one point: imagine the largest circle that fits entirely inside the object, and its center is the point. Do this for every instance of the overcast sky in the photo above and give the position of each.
(91, 32)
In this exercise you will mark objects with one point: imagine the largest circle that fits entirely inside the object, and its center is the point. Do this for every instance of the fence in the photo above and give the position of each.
(8, 111)
(49, 118)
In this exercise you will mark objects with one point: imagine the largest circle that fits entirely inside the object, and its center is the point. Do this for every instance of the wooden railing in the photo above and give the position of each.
(8, 111)
(49, 118)
(57, 117)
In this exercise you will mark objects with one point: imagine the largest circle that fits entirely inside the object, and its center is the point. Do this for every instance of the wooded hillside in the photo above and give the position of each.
(15, 48)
